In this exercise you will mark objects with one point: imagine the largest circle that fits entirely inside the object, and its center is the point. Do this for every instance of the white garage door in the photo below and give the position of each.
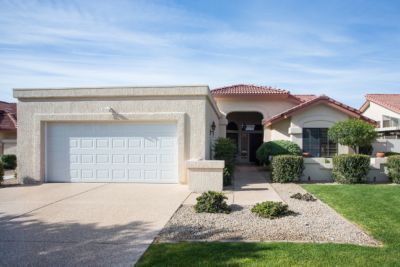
(111, 152)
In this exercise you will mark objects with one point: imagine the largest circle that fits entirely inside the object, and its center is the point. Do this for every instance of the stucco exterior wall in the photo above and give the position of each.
(35, 107)
(267, 107)
(319, 116)
(211, 117)
(375, 112)
(280, 131)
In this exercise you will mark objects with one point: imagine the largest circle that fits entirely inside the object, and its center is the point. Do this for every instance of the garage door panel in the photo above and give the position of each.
(109, 152)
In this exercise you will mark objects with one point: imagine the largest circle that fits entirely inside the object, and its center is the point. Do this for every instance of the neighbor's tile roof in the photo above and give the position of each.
(389, 101)
(320, 99)
(305, 98)
(8, 116)
(247, 89)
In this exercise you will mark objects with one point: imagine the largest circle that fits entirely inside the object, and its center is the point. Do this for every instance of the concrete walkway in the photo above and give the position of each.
(250, 186)
(83, 224)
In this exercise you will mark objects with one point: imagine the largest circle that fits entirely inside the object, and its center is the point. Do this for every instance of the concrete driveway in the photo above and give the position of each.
(83, 224)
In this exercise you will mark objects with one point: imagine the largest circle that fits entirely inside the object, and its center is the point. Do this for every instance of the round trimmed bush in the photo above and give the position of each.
(274, 148)
(270, 209)
(9, 161)
(349, 169)
(393, 165)
(212, 202)
(287, 168)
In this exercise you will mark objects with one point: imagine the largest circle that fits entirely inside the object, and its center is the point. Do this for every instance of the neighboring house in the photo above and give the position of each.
(8, 128)
(385, 109)
(162, 134)
(258, 114)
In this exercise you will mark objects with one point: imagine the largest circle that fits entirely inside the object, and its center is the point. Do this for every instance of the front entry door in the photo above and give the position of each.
(256, 140)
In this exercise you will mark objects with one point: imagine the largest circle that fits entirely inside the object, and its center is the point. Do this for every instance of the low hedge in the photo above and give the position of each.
(274, 148)
(287, 168)
(349, 169)
(393, 165)
(9, 161)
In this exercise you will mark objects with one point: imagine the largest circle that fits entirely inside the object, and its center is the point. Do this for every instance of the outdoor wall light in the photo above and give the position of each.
(212, 128)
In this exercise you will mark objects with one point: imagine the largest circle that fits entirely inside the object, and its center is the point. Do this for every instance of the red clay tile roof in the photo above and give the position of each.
(320, 99)
(389, 101)
(246, 89)
(305, 98)
(8, 116)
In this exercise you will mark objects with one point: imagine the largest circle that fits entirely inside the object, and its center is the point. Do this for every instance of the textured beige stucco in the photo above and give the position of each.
(205, 175)
(152, 104)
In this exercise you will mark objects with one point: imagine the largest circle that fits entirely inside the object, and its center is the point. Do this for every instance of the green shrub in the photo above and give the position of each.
(225, 149)
(1, 172)
(286, 168)
(348, 169)
(270, 209)
(212, 202)
(274, 148)
(393, 165)
(388, 154)
(9, 161)
(354, 133)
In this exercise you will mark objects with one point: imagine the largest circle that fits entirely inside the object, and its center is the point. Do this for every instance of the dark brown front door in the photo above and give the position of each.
(256, 140)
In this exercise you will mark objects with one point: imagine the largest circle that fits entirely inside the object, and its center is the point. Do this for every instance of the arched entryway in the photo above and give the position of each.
(246, 130)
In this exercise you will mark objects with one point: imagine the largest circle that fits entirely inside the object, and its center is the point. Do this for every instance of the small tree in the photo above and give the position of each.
(354, 133)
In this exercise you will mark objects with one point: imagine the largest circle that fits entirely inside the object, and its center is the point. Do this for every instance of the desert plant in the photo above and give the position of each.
(225, 149)
(212, 202)
(9, 161)
(393, 165)
(274, 148)
(348, 169)
(270, 209)
(306, 197)
(286, 168)
(354, 133)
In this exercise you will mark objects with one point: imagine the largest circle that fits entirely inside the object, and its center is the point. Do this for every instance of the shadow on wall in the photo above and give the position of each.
(30, 242)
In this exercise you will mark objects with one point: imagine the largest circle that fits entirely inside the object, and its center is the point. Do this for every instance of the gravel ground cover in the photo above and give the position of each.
(308, 222)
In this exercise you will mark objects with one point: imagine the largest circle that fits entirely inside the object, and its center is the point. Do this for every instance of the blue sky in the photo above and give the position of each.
(344, 49)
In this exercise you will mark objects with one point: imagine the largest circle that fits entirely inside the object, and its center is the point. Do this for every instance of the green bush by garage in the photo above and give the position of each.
(225, 149)
(9, 161)
(274, 148)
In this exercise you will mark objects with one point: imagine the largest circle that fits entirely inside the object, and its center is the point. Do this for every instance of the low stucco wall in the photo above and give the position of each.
(205, 175)
(8, 146)
(320, 170)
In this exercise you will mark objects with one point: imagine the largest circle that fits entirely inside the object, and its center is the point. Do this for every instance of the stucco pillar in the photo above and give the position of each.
(222, 126)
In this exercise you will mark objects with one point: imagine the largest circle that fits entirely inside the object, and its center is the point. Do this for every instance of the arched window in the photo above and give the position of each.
(232, 126)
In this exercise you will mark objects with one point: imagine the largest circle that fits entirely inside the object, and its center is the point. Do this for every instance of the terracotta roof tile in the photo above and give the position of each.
(8, 116)
(323, 98)
(305, 98)
(246, 89)
(389, 101)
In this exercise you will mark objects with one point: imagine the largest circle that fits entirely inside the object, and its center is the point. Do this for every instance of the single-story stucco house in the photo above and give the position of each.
(8, 128)
(162, 134)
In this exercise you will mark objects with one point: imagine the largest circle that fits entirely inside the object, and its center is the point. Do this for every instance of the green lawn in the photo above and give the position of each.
(376, 208)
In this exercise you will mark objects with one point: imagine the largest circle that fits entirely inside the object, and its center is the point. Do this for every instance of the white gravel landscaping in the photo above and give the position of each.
(309, 222)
